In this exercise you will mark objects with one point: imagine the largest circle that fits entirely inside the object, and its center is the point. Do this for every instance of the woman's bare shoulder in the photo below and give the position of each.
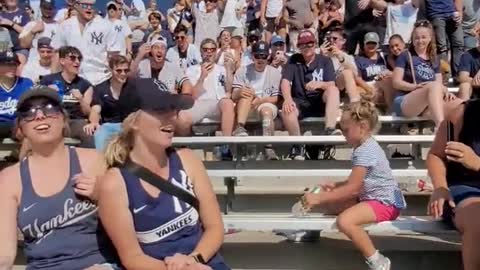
(10, 179)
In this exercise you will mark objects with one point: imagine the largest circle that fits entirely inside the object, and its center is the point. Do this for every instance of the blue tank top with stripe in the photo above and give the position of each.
(165, 225)
(61, 231)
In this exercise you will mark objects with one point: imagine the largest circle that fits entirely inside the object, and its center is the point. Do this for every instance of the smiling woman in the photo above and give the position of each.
(50, 194)
(153, 228)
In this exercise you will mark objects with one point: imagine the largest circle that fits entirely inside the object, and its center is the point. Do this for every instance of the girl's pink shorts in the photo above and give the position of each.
(384, 212)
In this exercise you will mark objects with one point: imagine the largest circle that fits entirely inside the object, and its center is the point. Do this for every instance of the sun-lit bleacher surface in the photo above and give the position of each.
(242, 184)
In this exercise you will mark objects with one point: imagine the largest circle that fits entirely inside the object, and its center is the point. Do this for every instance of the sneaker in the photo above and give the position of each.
(297, 152)
(409, 129)
(332, 132)
(270, 153)
(303, 236)
(383, 263)
(225, 153)
(240, 132)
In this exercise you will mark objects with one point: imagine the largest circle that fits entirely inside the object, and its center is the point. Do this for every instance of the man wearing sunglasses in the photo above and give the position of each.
(94, 37)
(183, 53)
(308, 89)
(46, 26)
(114, 15)
(256, 89)
(77, 91)
(212, 88)
(11, 88)
(207, 25)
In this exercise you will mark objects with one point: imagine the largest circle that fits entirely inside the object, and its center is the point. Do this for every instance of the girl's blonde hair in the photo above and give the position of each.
(118, 149)
(363, 110)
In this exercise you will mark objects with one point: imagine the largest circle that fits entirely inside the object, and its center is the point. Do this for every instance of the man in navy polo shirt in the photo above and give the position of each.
(446, 18)
(308, 89)
(469, 74)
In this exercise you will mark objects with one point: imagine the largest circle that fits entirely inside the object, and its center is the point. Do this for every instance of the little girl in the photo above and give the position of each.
(371, 184)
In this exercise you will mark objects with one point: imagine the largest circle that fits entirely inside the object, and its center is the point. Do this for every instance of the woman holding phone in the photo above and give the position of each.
(454, 165)
(152, 228)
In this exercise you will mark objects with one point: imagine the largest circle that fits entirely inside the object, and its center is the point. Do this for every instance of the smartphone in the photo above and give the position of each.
(450, 132)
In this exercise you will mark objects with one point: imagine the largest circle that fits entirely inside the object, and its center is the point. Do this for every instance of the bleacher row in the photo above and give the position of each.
(232, 171)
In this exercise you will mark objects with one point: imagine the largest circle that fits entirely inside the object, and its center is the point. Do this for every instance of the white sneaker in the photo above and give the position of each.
(383, 263)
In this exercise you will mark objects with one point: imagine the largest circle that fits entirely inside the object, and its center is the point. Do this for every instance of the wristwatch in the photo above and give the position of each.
(198, 258)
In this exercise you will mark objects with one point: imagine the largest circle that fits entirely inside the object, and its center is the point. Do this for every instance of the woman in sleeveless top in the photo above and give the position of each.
(455, 171)
(150, 228)
(49, 194)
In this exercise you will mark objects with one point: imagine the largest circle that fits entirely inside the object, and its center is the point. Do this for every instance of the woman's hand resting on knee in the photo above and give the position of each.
(437, 201)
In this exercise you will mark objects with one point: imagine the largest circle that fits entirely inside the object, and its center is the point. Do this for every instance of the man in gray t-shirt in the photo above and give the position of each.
(151, 63)
(5, 40)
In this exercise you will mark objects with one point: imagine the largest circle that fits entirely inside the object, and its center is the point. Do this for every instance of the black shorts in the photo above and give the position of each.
(310, 107)
(272, 27)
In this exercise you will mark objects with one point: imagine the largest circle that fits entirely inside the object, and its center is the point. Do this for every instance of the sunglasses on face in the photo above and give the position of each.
(48, 110)
(211, 1)
(122, 70)
(74, 58)
(260, 56)
(209, 50)
(306, 46)
(85, 5)
(180, 37)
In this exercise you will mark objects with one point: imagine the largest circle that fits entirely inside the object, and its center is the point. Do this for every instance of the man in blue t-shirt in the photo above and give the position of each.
(11, 88)
(469, 74)
(308, 89)
(446, 18)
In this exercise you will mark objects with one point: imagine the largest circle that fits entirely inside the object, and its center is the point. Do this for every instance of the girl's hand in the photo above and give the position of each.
(85, 185)
(327, 187)
(310, 199)
(461, 153)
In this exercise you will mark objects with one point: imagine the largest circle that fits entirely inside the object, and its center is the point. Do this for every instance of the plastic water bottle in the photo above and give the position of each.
(266, 130)
(411, 180)
(298, 210)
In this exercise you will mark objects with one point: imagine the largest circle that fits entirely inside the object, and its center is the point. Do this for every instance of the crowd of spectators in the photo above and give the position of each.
(244, 59)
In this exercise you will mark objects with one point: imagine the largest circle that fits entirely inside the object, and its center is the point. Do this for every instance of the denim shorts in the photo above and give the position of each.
(459, 193)
(397, 105)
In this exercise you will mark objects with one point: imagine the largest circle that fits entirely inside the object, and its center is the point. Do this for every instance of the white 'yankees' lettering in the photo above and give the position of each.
(72, 213)
(317, 75)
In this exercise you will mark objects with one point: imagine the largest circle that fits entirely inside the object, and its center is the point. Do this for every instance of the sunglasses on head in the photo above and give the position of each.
(85, 5)
(209, 50)
(306, 46)
(74, 58)
(30, 113)
(422, 23)
(122, 70)
(260, 56)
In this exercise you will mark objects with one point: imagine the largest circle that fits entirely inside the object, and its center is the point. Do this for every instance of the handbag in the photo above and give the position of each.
(161, 183)
(411, 67)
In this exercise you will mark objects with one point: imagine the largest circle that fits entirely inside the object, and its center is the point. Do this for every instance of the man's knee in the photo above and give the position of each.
(266, 112)
(331, 94)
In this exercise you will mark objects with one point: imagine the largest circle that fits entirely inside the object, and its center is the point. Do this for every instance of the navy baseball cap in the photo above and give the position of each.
(39, 92)
(9, 57)
(49, 4)
(149, 95)
(261, 47)
(277, 39)
(44, 43)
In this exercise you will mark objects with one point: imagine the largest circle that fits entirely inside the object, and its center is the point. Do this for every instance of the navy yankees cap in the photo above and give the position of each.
(147, 94)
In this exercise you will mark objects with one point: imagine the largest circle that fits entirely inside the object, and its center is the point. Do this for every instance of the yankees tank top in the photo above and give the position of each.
(165, 225)
(61, 231)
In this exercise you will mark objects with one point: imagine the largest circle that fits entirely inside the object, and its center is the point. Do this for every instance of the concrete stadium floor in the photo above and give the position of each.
(264, 250)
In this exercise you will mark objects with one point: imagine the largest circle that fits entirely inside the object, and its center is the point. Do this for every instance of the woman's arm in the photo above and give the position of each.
(8, 212)
(118, 222)
(86, 101)
(210, 215)
(399, 83)
(436, 158)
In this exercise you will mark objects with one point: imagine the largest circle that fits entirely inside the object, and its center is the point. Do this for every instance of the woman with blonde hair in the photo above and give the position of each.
(157, 203)
(418, 80)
